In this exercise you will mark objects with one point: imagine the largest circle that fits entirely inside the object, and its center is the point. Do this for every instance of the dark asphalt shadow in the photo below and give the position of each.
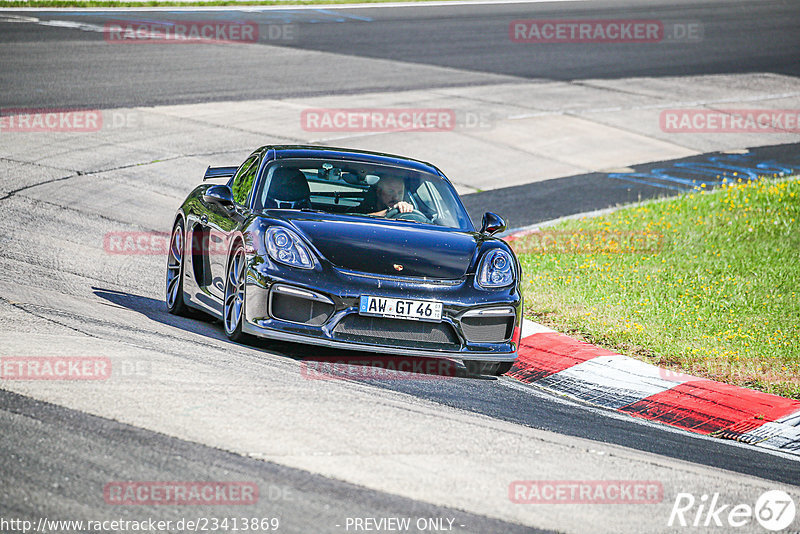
(536, 202)
(318, 362)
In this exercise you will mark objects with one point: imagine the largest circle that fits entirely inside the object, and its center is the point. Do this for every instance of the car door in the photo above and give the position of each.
(221, 223)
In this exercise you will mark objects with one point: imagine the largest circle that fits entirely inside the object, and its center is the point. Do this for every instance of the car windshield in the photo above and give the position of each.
(360, 189)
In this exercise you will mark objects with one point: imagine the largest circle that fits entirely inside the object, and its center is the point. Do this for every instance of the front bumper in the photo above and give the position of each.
(342, 291)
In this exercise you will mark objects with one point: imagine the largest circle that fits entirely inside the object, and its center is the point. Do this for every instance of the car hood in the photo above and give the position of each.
(392, 248)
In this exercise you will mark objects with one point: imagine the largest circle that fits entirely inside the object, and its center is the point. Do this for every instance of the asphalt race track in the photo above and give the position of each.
(471, 41)
(186, 404)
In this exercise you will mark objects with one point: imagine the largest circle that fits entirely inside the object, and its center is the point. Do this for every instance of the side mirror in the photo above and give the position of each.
(220, 195)
(492, 223)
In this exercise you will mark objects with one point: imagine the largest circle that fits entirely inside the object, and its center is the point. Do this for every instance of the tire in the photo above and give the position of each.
(233, 305)
(176, 305)
(479, 367)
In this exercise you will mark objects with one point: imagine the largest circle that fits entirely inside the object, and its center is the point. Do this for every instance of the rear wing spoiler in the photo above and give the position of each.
(219, 172)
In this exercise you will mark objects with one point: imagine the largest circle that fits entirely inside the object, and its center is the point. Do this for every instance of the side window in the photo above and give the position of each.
(438, 206)
(243, 180)
(424, 196)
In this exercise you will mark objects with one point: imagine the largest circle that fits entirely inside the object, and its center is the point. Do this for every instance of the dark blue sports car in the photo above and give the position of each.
(346, 249)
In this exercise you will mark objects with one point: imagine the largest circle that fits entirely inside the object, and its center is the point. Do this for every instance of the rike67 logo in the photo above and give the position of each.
(774, 510)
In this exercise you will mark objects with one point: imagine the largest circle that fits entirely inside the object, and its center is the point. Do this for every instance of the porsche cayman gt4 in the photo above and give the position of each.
(346, 249)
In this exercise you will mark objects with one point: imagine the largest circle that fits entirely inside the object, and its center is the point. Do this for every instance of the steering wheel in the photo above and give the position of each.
(414, 215)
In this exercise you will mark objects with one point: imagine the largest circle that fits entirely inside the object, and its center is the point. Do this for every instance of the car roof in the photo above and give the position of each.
(365, 156)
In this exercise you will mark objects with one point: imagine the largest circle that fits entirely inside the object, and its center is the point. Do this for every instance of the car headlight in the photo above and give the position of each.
(496, 269)
(284, 246)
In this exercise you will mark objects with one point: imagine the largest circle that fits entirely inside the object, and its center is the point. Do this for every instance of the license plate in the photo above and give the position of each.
(415, 310)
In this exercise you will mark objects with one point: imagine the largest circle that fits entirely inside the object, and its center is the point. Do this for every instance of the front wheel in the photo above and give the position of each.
(233, 306)
(176, 305)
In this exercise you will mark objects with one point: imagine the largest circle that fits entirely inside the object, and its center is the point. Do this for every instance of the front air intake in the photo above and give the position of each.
(494, 325)
(296, 305)
(396, 333)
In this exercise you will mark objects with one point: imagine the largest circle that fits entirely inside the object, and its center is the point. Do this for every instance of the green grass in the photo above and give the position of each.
(705, 283)
(168, 3)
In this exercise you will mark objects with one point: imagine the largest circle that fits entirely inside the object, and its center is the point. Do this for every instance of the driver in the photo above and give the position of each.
(389, 193)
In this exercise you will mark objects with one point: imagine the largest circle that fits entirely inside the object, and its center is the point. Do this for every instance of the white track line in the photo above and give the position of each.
(289, 7)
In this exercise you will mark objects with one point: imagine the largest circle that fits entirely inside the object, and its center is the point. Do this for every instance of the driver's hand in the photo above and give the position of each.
(404, 207)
